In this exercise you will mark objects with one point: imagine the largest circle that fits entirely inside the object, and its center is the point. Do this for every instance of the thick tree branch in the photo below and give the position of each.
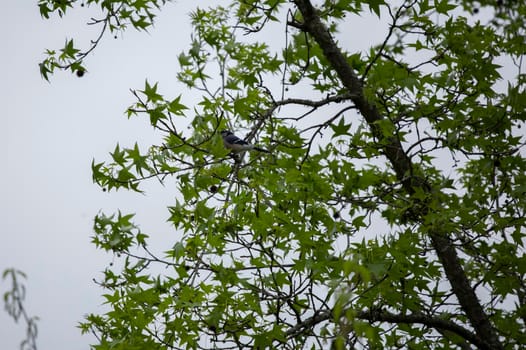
(439, 324)
(393, 149)
(401, 163)
(433, 322)
(309, 323)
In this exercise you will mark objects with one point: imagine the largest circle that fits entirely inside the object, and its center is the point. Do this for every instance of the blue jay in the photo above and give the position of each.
(236, 144)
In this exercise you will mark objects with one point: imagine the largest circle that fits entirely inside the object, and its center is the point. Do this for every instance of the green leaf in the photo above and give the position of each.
(119, 156)
(374, 6)
(444, 6)
(176, 107)
(156, 114)
(140, 161)
(151, 92)
(341, 129)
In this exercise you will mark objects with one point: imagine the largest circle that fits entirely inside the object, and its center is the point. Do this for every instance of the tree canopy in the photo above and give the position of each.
(390, 212)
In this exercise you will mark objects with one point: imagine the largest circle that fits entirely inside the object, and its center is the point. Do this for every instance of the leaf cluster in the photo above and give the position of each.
(394, 174)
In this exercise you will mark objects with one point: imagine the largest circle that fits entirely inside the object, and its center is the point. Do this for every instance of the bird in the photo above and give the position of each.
(237, 144)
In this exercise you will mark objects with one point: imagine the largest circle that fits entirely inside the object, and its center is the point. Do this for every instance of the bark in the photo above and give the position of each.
(384, 316)
(437, 323)
(403, 168)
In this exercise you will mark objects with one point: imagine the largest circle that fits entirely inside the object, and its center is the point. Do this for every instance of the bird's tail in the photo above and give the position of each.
(261, 150)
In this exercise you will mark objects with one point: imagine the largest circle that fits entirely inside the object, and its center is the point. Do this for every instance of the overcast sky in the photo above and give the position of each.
(50, 132)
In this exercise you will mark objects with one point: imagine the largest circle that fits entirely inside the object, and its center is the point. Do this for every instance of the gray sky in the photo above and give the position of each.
(50, 133)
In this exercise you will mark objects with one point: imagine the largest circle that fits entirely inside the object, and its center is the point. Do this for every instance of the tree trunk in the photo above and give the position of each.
(403, 167)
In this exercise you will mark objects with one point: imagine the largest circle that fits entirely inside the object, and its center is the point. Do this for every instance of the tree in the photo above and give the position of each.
(390, 213)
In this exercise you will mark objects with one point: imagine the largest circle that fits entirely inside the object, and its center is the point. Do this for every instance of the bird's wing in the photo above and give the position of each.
(233, 139)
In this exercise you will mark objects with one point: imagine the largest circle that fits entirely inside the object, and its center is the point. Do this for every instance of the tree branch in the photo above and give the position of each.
(401, 163)
(418, 318)
(309, 323)
(439, 324)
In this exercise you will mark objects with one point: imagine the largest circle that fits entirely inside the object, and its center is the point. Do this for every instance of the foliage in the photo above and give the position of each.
(390, 213)
(14, 305)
